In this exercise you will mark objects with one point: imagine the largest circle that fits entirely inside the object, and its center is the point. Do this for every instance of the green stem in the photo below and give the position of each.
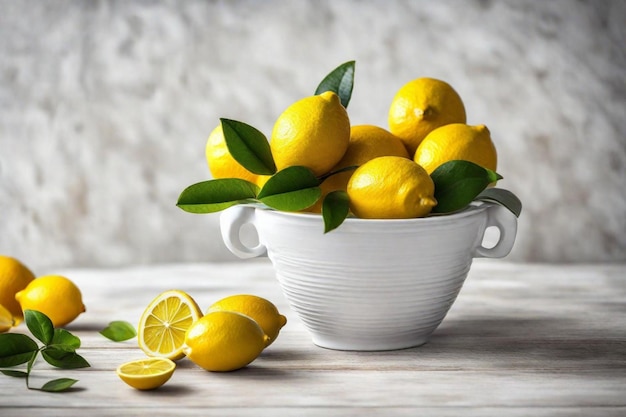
(29, 367)
(339, 171)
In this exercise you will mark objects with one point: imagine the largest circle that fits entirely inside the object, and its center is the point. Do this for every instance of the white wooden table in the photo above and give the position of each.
(520, 340)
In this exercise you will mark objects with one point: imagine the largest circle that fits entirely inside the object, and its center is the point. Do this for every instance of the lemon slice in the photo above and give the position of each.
(162, 327)
(145, 374)
(6, 319)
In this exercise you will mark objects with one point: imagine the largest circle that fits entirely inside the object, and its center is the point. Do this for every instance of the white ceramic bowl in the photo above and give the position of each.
(370, 284)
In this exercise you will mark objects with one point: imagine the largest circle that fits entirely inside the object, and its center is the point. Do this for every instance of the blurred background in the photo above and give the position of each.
(105, 107)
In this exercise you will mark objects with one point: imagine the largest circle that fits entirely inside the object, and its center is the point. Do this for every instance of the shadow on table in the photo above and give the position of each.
(527, 341)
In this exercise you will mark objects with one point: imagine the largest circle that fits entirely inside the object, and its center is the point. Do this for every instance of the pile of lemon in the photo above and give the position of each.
(427, 127)
(233, 333)
(54, 295)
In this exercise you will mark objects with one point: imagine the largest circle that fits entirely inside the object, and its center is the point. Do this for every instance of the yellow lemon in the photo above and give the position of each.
(366, 143)
(55, 296)
(457, 141)
(224, 341)
(6, 320)
(163, 324)
(421, 106)
(146, 374)
(261, 180)
(391, 187)
(257, 308)
(313, 132)
(221, 162)
(14, 277)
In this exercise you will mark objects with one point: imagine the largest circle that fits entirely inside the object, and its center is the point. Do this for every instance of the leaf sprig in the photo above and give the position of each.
(59, 350)
(295, 188)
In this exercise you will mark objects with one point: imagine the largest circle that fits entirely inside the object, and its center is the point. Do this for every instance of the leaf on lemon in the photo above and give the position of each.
(457, 183)
(503, 197)
(335, 209)
(216, 195)
(16, 349)
(341, 81)
(118, 331)
(39, 325)
(291, 189)
(249, 147)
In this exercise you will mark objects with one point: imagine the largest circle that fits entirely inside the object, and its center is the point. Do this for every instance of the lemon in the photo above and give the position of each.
(457, 141)
(55, 296)
(421, 106)
(14, 277)
(224, 341)
(391, 187)
(313, 132)
(221, 162)
(366, 142)
(162, 326)
(6, 319)
(146, 374)
(261, 180)
(257, 308)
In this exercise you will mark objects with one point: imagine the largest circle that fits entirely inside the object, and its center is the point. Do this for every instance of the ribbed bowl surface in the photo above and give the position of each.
(371, 285)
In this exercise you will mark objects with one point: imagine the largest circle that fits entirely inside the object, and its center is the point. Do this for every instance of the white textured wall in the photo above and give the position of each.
(105, 107)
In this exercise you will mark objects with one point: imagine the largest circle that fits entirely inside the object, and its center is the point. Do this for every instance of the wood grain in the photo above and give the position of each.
(541, 340)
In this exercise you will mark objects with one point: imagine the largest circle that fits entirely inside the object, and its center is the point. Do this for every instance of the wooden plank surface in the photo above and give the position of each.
(520, 340)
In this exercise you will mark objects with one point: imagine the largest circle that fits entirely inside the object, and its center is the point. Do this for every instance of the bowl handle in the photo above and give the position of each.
(231, 222)
(506, 222)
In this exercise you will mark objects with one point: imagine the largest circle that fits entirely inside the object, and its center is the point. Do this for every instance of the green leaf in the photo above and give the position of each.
(16, 349)
(39, 325)
(249, 147)
(14, 374)
(458, 182)
(118, 331)
(216, 195)
(503, 197)
(341, 81)
(63, 359)
(58, 385)
(291, 189)
(335, 209)
(65, 340)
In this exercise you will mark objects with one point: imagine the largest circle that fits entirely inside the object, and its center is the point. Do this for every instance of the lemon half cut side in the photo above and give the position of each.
(146, 374)
(162, 327)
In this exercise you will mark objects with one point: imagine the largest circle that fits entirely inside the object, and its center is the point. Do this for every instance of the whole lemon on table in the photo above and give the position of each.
(457, 141)
(14, 277)
(257, 308)
(224, 341)
(313, 132)
(391, 187)
(221, 162)
(55, 296)
(366, 143)
(421, 106)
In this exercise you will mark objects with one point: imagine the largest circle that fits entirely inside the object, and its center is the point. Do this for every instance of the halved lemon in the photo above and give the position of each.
(145, 374)
(6, 319)
(162, 327)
